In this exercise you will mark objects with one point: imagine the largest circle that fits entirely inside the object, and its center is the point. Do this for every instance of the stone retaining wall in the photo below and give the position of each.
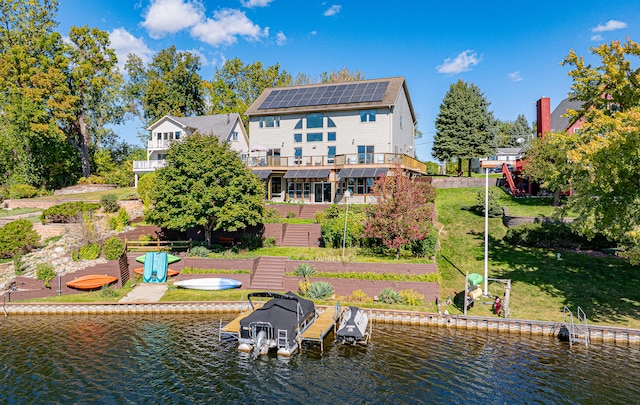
(604, 334)
(463, 182)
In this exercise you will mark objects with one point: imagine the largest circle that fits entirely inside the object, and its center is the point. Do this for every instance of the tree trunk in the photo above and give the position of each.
(459, 171)
(397, 253)
(469, 168)
(208, 231)
(556, 197)
(85, 139)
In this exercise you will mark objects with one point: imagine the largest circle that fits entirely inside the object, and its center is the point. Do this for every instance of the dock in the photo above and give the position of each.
(234, 325)
(319, 329)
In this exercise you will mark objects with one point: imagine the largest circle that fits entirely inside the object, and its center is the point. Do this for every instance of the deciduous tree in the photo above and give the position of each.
(205, 184)
(403, 212)
(465, 126)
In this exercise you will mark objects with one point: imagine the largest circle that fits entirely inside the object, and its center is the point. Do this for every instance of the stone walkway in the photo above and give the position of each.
(146, 292)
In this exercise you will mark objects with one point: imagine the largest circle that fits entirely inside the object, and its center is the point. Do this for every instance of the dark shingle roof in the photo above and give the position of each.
(558, 122)
(220, 125)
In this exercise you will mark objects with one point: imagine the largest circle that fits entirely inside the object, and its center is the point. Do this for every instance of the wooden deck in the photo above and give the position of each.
(234, 325)
(321, 326)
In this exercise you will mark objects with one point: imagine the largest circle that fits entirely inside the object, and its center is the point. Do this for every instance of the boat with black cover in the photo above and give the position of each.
(279, 323)
(355, 327)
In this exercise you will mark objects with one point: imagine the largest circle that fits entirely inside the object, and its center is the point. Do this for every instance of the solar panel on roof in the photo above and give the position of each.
(322, 95)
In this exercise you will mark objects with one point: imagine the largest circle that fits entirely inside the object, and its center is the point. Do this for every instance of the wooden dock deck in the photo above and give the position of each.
(321, 326)
(234, 325)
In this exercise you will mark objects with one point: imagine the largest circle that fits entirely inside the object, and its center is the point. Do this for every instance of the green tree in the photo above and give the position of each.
(171, 84)
(605, 158)
(548, 164)
(520, 132)
(205, 184)
(235, 86)
(465, 128)
(342, 75)
(403, 212)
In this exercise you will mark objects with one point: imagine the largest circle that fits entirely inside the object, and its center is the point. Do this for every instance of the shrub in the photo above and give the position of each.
(113, 248)
(291, 214)
(495, 209)
(271, 216)
(75, 255)
(269, 242)
(320, 290)
(67, 212)
(251, 242)
(411, 297)
(119, 221)
(18, 264)
(304, 270)
(145, 238)
(18, 191)
(90, 251)
(358, 295)
(389, 296)
(553, 235)
(17, 237)
(109, 202)
(427, 246)
(145, 186)
(45, 272)
(333, 226)
(199, 251)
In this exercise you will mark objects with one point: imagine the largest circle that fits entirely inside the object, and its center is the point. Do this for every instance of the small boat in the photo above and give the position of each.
(170, 272)
(278, 324)
(211, 284)
(355, 327)
(91, 281)
(170, 258)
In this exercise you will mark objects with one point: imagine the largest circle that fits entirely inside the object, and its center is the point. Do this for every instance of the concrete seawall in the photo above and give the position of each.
(604, 334)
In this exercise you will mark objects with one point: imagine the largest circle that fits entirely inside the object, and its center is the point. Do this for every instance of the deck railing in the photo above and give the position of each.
(337, 160)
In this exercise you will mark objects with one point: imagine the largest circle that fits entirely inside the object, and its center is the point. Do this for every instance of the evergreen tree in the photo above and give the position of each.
(465, 128)
(520, 132)
(205, 184)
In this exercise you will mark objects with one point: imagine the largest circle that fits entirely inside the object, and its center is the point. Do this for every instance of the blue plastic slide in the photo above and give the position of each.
(147, 274)
(156, 265)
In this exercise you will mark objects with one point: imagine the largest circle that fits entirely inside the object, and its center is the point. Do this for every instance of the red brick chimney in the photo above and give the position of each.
(543, 116)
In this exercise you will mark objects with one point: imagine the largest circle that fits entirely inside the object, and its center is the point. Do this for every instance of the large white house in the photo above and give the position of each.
(312, 143)
(227, 127)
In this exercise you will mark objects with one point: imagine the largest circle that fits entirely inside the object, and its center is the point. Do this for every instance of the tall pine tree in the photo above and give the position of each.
(465, 128)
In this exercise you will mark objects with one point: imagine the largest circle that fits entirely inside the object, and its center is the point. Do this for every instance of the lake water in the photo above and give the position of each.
(177, 359)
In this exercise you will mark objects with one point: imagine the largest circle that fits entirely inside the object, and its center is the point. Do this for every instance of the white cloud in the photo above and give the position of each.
(596, 37)
(610, 25)
(225, 26)
(170, 16)
(461, 63)
(255, 3)
(313, 33)
(333, 10)
(281, 38)
(124, 43)
(514, 76)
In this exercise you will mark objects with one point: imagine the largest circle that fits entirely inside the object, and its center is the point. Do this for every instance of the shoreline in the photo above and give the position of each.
(597, 333)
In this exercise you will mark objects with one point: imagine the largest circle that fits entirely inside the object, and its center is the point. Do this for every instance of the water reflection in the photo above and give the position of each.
(178, 359)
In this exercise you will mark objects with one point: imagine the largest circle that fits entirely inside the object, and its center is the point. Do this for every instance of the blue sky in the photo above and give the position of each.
(512, 50)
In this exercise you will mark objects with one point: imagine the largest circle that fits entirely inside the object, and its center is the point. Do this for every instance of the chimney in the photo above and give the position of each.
(543, 116)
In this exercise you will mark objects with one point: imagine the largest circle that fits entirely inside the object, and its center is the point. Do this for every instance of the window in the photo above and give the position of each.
(367, 115)
(276, 185)
(234, 136)
(401, 122)
(314, 137)
(159, 136)
(331, 154)
(330, 123)
(365, 153)
(297, 153)
(269, 122)
(161, 156)
(331, 136)
(315, 120)
(297, 137)
(298, 125)
(177, 134)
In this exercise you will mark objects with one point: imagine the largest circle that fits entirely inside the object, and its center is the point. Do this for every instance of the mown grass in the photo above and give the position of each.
(124, 193)
(606, 288)
(17, 211)
(109, 294)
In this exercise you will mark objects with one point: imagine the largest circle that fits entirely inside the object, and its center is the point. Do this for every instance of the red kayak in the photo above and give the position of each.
(91, 282)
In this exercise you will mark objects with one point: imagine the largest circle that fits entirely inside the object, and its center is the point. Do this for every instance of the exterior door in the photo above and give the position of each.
(322, 192)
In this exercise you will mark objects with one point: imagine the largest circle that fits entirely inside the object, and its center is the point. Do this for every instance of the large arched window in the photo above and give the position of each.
(315, 120)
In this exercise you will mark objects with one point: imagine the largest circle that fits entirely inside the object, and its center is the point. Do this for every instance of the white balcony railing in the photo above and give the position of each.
(148, 164)
(160, 144)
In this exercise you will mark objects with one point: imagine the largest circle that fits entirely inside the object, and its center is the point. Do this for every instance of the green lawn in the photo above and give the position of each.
(17, 211)
(605, 287)
(121, 193)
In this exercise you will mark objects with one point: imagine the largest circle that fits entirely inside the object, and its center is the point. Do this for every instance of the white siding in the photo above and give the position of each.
(402, 136)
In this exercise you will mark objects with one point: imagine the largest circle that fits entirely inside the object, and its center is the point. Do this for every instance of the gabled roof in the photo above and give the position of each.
(220, 125)
(354, 95)
(558, 122)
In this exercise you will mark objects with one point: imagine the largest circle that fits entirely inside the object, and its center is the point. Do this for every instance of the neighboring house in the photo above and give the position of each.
(313, 143)
(547, 121)
(227, 127)
(503, 155)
